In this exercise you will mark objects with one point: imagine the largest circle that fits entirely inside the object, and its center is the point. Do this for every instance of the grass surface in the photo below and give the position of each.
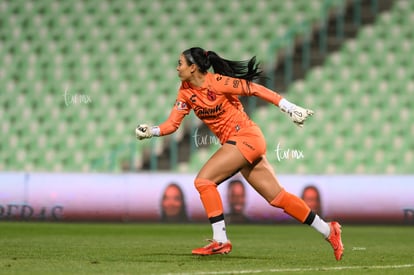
(67, 248)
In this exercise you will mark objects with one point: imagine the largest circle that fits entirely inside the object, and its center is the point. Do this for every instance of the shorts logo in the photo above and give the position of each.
(211, 95)
(248, 145)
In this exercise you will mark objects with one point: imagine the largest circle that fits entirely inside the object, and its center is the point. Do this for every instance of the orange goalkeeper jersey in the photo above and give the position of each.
(217, 104)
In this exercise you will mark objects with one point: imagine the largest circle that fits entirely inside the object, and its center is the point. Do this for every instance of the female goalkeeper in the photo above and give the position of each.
(214, 99)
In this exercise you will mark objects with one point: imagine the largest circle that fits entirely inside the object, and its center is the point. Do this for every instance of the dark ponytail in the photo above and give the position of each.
(245, 69)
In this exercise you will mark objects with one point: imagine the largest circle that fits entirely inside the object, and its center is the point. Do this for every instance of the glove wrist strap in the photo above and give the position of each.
(286, 106)
(155, 131)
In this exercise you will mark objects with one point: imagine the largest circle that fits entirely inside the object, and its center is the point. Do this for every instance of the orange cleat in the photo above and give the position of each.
(335, 240)
(212, 248)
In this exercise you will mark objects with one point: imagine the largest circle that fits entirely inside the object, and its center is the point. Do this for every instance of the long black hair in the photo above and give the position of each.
(245, 69)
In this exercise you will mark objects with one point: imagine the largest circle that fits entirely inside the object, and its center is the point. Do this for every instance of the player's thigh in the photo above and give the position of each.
(262, 178)
(227, 161)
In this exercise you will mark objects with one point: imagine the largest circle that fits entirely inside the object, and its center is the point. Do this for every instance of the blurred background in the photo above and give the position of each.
(76, 77)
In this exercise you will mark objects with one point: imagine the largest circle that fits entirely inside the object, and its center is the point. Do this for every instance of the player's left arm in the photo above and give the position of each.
(171, 124)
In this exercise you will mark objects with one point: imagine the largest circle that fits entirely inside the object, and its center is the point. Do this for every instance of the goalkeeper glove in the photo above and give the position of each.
(144, 131)
(296, 113)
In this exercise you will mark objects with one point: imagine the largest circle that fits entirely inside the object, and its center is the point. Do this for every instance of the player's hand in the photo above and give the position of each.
(143, 131)
(298, 114)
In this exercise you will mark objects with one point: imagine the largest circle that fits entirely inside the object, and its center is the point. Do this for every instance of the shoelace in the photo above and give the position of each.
(210, 243)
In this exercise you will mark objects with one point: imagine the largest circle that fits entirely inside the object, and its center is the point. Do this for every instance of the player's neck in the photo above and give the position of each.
(197, 80)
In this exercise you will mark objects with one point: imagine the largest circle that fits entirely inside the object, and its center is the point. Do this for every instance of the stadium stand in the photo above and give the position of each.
(76, 77)
(362, 100)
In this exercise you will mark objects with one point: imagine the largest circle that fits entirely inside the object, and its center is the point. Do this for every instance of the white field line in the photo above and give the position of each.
(277, 270)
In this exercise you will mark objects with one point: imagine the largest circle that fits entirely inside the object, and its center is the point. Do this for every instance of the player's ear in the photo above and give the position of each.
(193, 68)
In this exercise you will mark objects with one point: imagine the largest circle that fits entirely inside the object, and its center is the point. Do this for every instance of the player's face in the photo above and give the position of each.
(310, 197)
(184, 70)
(172, 201)
(237, 198)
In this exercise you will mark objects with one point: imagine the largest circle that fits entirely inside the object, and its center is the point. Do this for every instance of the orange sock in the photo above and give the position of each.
(292, 205)
(210, 197)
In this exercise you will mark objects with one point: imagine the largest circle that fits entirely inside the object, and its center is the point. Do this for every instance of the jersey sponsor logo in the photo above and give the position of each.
(211, 95)
(236, 83)
(209, 112)
(218, 78)
(226, 83)
(181, 105)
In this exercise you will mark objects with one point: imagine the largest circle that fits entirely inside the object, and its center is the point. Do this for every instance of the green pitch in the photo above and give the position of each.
(67, 248)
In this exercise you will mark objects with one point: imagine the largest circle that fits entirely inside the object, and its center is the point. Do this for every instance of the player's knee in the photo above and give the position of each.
(203, 184)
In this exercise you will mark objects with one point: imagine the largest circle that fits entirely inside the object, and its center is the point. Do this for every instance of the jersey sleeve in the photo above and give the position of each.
(179, 111)
(236, 86)
(264, 93)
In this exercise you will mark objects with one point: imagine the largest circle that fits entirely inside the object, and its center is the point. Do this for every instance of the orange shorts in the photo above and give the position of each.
(250, 141)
